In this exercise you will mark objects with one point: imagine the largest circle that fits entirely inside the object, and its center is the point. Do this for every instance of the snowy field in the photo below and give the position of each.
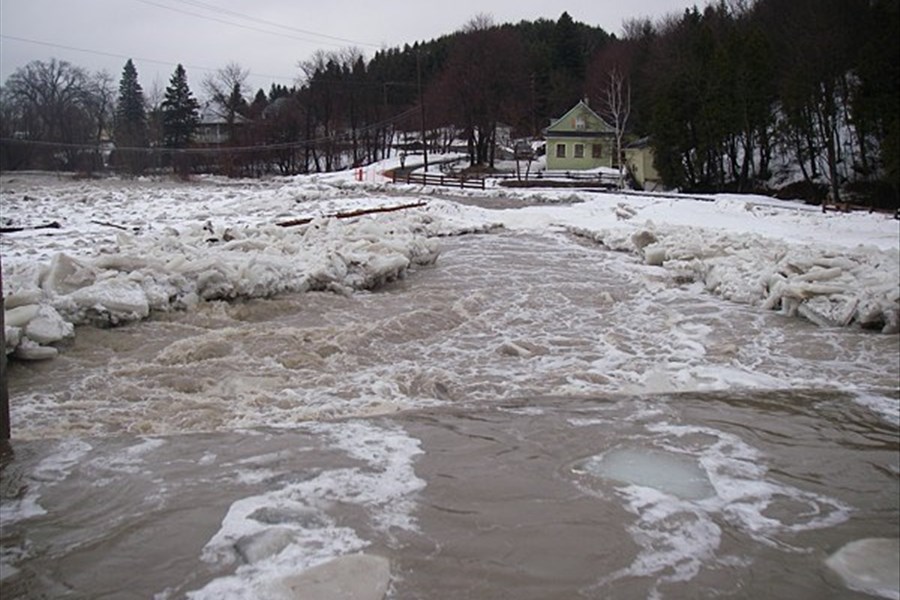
(124, 248)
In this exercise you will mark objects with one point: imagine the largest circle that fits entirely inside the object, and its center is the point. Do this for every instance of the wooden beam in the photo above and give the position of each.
(353, 213)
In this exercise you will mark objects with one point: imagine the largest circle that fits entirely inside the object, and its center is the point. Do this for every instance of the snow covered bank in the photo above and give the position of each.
(175, 269)
(829, 286)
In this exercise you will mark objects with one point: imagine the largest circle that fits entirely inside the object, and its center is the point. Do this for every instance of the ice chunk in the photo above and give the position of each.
(624, 212)
(673, 474)
(22, 298)
(114, 300)
(655, 255)
(48, 326)
(66, 275)
(643, 238)
(21, 315)
(354, 577)
(13, 335)
(29, 350)
(870, 565)
(263, 544)
(513, 349)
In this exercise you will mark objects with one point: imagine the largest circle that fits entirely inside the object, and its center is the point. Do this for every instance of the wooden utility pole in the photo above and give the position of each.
(4, 389)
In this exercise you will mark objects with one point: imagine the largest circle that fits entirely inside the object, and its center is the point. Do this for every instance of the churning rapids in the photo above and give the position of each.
(531, 417)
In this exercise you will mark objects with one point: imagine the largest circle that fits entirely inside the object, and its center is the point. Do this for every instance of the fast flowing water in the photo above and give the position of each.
(532, 417)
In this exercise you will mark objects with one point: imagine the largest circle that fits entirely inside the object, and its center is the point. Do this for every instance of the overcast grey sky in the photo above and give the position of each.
(208, 34)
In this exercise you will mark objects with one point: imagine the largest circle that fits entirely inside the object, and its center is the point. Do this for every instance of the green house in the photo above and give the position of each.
(579, 140)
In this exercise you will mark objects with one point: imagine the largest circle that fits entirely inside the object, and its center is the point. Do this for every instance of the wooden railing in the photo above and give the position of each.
(440, 180)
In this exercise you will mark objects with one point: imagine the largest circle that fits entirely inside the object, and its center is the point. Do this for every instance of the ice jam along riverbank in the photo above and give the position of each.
(177, 269)
(127, 248)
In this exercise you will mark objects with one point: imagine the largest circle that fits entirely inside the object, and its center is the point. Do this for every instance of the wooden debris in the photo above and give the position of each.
(107, 224)
(353, 213)
(51, 225)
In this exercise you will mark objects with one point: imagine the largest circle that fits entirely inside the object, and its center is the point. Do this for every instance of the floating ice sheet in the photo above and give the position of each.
(673, 474)
(871, 565)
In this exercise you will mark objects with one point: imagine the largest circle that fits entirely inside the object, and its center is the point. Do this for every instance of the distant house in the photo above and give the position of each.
(214, 129)
(579, 140)
(639, 159)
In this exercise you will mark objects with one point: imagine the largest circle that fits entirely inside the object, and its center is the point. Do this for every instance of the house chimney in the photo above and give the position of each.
(587, 101)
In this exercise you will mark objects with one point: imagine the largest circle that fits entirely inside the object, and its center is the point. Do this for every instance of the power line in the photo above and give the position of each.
(232, 150)
(135, 58)
(248, 27)
(207, 6)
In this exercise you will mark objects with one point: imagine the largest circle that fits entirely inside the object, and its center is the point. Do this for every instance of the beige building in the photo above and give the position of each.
(639, 159)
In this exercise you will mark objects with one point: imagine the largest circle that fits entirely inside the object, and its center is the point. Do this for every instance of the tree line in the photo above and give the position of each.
(741, 95)
(345, 110)
(747, 95)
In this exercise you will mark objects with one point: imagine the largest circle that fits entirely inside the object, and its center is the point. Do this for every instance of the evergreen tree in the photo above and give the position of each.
(131, 119)
(259, 104)
(181, 111)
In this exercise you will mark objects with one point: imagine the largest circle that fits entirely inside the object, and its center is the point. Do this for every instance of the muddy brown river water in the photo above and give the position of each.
(532, 417)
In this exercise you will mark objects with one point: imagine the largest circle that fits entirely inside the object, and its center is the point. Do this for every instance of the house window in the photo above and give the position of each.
(560, 151)
(579, 150)
(580, 124)
(596, 150)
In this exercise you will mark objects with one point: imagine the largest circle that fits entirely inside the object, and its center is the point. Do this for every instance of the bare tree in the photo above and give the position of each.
(155, 95)
(484, 81)
(100, 105)
(225, 88)
(52, 103)
(617, 109)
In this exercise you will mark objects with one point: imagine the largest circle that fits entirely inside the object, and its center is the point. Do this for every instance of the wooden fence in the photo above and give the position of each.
(441, 180)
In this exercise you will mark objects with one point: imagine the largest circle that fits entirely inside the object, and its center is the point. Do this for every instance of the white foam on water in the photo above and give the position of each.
(677, 525)
(54, 468)
(131, 459)
(9, 556)
(525, 411)
(886, 407)
(282, 532)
